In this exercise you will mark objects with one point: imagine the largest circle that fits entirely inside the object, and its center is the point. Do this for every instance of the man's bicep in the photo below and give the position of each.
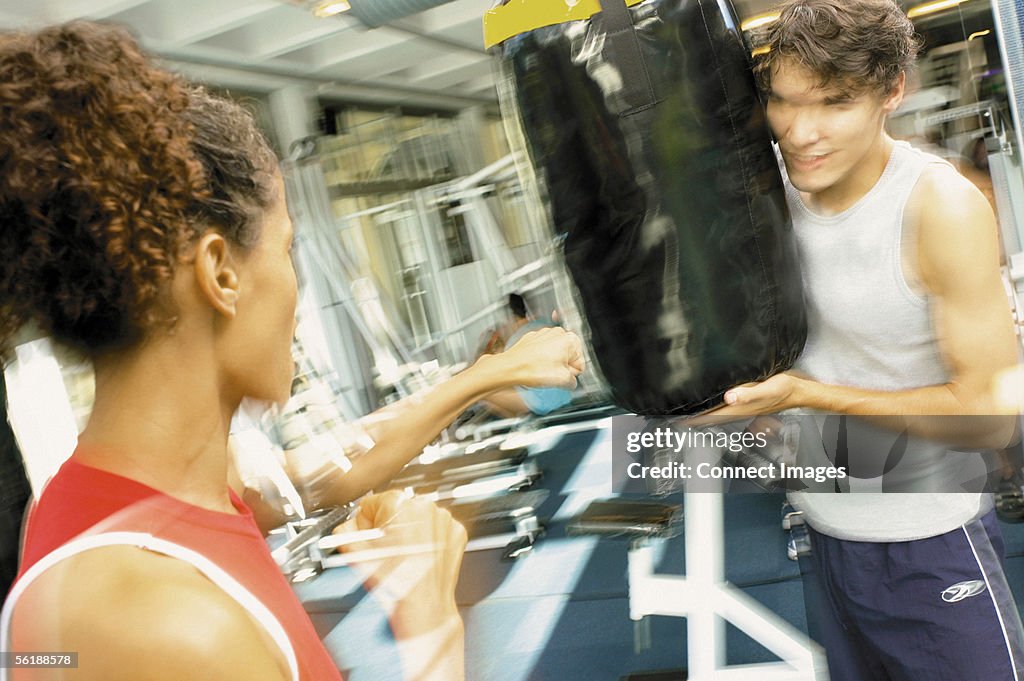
(959, 249)
(975, 335)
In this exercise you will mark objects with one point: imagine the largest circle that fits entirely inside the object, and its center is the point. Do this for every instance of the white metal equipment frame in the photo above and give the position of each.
(708, 602)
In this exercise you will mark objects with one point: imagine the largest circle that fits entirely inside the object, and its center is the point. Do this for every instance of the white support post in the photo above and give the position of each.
(708, 601)
(293, 111)
(705, 570)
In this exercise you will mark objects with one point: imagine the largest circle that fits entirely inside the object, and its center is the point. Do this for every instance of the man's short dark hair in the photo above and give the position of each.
(517, 304)
(860, 45)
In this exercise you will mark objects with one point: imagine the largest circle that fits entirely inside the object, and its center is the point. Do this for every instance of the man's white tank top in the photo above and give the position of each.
(867, 328)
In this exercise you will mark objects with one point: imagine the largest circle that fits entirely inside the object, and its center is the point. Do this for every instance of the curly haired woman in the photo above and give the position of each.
(143, 223)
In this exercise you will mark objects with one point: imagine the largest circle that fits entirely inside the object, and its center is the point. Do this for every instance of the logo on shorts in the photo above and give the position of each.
(963, 590)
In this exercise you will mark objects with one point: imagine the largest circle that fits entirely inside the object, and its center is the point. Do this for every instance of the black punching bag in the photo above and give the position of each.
(644, 126)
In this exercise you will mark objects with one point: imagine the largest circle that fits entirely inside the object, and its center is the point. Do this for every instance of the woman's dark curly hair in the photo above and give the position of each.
(109, 168)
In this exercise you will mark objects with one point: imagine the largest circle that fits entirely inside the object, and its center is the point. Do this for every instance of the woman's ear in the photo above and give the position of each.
(216, 273)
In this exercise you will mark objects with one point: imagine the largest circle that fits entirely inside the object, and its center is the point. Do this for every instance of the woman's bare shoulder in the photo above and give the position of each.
(134, 614)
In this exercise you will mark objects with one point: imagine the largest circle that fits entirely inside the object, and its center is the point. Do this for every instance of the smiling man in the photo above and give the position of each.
(906, 318)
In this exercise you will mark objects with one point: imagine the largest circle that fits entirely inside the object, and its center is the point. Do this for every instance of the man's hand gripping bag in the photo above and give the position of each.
(645, 129)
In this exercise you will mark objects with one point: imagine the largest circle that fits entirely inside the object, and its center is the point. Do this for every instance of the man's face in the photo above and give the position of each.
(824, 133)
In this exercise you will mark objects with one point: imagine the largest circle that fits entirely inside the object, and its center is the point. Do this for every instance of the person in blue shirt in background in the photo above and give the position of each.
(520, 401)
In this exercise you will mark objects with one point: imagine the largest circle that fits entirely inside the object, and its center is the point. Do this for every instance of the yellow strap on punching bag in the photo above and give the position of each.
(519, 16)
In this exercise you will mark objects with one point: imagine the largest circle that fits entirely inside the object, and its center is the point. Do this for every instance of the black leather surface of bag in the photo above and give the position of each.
(645, 127)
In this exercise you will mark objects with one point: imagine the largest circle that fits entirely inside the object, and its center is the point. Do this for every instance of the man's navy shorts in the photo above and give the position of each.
(935, 609)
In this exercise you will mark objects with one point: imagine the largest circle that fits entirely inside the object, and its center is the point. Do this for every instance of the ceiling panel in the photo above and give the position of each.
(381, 62)
(287, 44)
(438, 51)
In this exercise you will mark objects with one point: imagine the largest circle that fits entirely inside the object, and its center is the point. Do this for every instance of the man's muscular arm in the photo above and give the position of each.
(958, 266)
